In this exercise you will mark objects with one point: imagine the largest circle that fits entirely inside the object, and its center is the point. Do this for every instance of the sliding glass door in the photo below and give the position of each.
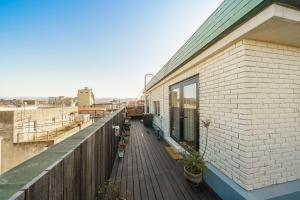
(184, 111)
(175, 112)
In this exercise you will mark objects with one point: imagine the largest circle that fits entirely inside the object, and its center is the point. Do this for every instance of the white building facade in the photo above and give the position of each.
(247, 83)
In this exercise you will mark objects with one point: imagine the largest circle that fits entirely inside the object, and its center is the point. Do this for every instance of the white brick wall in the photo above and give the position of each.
(273, 78)
(251, 93)
(156, 95)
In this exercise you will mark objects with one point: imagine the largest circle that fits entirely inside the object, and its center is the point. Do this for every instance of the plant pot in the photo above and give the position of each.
(126, 139)
(121, 154)
(195, 179)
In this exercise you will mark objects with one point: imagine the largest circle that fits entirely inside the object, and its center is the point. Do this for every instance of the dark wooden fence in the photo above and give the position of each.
(73, 169)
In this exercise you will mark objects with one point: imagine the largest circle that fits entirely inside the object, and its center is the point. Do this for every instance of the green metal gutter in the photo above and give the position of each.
(227, 17)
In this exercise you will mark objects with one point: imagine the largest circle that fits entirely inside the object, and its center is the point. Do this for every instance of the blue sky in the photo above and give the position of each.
(54, 47)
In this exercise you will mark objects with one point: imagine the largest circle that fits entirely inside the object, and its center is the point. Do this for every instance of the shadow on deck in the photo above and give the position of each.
(148, 172)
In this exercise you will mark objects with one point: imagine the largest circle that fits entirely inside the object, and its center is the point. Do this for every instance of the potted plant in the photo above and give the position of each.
(194, 165)
(126, 138)
(110, 191)
(193, 161)
(121, 149)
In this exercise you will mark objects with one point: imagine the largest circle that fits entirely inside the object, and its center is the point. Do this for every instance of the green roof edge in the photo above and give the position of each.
(261, 4)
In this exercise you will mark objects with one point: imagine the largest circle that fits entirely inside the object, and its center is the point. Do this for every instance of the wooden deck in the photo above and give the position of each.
(148, 172)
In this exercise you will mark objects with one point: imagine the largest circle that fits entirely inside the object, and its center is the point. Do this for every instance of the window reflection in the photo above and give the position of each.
(183, 111)
(175, 98)
(190, 99)
(189, 109)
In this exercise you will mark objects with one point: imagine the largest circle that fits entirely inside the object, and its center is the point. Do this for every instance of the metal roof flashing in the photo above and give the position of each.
(226, 18)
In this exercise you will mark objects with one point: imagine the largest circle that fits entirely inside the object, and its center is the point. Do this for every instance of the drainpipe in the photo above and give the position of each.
(145, 80)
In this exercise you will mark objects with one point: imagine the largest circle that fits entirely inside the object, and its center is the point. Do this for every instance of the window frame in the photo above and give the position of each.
(180, 85)
(156, 106)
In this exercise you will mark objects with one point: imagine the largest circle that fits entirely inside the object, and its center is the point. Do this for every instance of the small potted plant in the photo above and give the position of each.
(110, 191)
(126, 138)
(121, 149)
(194, 165)
(193, 161)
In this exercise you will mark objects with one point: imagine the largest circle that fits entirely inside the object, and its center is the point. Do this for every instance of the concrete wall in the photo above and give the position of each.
(250, 92)
(0, 154)
(44, 121)
(6, 124)
(6, 132)
(14, 152)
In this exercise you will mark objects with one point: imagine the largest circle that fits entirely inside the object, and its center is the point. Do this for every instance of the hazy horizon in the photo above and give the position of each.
(52, 48)
(46, 97)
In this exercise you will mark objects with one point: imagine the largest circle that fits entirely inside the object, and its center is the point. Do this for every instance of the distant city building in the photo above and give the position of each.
(85, 97)
(111, 105)
(29, 102)
(56, 100)
(7, 102)
(28, 131)
(69, 101)
(42, 102)
(61, 100)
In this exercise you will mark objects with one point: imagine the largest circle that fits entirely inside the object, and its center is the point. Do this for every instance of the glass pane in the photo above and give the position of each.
(175, 113)
(190, 113)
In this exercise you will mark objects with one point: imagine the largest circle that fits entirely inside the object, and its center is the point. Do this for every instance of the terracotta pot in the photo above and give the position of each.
(193, 178)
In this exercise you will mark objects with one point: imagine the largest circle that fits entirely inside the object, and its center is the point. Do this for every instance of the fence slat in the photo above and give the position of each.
(86, 163)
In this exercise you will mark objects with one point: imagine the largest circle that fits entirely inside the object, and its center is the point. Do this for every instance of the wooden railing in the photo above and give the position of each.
(73, 169)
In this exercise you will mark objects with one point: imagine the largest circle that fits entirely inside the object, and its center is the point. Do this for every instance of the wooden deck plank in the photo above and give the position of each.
(176, 169)
(166, 186)
(136, 181)
(129, 168)
(162, 190)
(147, 172)
(147, 178)
(172, 188)
(177, 183)
(143, 188)
(151, 180)
(201, 193)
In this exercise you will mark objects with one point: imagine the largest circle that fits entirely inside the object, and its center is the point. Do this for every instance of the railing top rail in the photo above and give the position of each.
(22, 175)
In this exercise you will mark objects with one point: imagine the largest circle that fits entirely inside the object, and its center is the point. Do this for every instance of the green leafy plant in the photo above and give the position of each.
(192, 160)
(109, 191)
